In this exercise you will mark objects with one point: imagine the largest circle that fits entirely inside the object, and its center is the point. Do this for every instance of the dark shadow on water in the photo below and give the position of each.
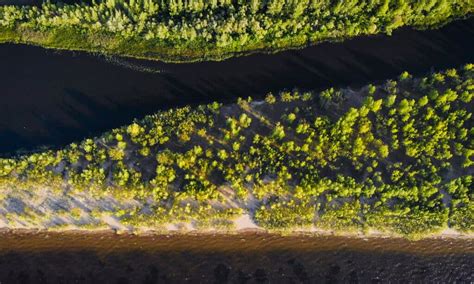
(49, 257)
(220, 267)
(54, 98)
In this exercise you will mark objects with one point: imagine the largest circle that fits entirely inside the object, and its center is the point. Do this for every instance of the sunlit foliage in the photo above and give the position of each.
(196, 29)
(396, 157)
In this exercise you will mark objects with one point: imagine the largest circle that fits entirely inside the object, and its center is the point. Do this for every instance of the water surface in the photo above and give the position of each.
(53, 98)
(245, 258)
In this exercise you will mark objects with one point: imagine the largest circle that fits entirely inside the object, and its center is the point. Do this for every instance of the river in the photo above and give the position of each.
(245, 258)
(52, 98)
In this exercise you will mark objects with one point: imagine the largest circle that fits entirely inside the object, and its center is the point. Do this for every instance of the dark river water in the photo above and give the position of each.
(53, 98)
(245, 258)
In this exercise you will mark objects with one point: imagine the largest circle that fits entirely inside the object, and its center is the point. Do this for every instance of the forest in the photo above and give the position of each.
(396, 157)
(192, 30)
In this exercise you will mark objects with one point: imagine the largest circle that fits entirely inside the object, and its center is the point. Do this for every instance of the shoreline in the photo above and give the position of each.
(167, 55)
(449, 234)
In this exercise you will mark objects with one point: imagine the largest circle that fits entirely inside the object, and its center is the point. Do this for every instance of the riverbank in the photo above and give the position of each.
(106, 45)
(40, 211)
(243, 227)
(95, 217)
(212, 33)
(394, 158)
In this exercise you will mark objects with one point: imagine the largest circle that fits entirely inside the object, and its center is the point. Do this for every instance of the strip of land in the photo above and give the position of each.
(186, 31)
(393, 159)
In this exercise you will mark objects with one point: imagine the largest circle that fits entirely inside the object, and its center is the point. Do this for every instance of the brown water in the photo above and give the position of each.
(53, 98)
(244, 258)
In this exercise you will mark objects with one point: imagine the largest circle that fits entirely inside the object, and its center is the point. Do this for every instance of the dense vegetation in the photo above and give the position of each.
(397, 157)
(185, 30)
